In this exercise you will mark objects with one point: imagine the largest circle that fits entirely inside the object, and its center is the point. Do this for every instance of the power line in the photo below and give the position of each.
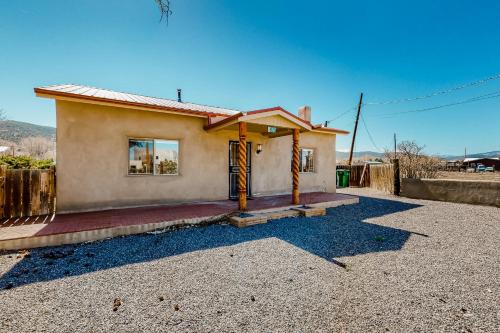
(437, 93)
(340, 115)
(495, 94)
(369, 134)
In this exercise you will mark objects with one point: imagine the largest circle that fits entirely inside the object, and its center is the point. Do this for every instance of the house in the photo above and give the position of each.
(119, 150)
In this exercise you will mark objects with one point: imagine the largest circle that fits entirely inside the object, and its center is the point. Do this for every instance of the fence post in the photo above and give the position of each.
(397, 181)
(3, 180)
(52, 190)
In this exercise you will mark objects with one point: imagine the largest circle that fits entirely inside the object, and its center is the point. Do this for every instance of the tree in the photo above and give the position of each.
(164, 6)
(413, 163)
(3, 116)
(36, 147)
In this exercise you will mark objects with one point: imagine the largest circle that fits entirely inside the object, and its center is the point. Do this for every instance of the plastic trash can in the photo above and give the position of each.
(340, 176)
(345, 178)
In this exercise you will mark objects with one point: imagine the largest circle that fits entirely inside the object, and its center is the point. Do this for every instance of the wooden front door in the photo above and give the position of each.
(234, 169)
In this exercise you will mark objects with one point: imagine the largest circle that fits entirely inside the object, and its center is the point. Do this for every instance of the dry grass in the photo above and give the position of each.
(492, 176)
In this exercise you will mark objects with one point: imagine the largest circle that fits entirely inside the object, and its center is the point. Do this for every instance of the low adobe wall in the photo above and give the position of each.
(477, 192)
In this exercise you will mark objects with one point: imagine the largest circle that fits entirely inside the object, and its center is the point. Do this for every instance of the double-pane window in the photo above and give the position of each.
(153, 157)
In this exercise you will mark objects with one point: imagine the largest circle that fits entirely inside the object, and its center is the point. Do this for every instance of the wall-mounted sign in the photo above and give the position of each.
(271, 129)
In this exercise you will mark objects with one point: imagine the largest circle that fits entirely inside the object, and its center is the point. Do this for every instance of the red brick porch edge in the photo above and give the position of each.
(91, 226)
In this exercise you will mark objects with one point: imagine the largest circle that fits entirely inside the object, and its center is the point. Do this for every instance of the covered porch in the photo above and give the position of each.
(269, 123)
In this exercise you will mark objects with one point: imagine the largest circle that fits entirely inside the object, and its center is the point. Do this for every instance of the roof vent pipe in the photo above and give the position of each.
(179, 95)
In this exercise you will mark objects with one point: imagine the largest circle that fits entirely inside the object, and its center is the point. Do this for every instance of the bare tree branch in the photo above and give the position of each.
(413, 163)
(165, 11)
(3, 116)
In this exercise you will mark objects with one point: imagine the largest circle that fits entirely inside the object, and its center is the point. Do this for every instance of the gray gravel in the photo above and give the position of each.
(387, 264)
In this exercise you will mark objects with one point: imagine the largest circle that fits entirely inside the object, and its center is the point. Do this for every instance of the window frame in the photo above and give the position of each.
(153, 174)
(313, 159)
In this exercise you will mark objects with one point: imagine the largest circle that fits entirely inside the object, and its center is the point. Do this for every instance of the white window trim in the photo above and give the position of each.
(154, 174)
(314, 160)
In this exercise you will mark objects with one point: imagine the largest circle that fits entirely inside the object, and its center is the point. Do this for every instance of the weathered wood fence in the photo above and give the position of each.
(359, 175)
(25, 192)
(382, 177)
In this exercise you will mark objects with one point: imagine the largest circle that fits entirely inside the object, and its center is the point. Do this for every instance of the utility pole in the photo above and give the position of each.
(355, 128)
(395, 149)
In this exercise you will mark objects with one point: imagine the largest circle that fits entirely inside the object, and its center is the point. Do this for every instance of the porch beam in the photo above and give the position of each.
(295, 168)
(242, 166)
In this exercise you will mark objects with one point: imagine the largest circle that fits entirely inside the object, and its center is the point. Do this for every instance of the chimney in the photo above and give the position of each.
(305, 113)
(179, 95)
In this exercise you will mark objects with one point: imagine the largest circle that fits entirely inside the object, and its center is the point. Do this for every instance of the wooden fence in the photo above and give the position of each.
(359, 175)
(25, 192)
(382, 177)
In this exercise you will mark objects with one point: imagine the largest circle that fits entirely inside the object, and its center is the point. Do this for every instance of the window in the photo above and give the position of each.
(306, 160)
(153, 157)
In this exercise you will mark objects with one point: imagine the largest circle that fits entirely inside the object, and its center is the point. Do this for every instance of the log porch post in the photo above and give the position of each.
(242, 165)
(295, 168)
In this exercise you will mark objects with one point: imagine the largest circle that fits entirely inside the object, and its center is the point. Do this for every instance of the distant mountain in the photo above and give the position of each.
(489, 154)
(342, 155)
(366, 155)
(15, 131)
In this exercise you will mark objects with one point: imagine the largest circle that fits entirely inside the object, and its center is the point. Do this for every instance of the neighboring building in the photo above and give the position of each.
(4, 150)
(117, 150)
(488, 162)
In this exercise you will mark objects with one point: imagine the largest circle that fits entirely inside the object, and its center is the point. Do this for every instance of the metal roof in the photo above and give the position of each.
(92, 94)
(85, 92)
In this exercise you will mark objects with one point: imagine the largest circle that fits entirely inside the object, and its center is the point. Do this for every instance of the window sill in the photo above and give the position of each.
(149, 175)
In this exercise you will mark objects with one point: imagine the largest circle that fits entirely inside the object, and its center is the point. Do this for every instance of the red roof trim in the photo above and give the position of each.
(223, 121)
(329, 129)
(127, 103)
(279, 108)
(236, 116)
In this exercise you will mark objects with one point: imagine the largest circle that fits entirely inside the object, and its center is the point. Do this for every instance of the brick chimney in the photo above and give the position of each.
(305, 113)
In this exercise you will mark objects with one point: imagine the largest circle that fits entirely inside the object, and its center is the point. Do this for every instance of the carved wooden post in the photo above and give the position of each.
(295, 168)
(242, 165)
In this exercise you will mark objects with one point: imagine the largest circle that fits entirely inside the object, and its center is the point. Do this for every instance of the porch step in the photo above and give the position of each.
(246, 220)
(253, 218)
(309, 211)
(262, 216)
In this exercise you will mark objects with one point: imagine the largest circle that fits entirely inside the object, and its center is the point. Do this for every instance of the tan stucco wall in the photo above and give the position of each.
(92, 159)
(478, 192)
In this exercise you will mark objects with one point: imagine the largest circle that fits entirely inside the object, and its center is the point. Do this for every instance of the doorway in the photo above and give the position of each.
(234, 169)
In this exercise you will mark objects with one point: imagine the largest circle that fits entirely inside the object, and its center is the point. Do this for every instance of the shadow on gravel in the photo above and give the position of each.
(342, 232)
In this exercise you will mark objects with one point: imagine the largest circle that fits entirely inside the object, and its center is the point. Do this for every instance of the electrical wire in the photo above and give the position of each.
(437, 93)
(494, 94)
(340, 115)
(369, 134)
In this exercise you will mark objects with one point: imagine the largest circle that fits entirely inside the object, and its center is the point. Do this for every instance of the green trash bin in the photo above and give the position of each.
(340, 176)
(345, 178)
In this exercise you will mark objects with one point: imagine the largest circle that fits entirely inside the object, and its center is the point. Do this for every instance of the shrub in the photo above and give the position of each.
(25, 162)
(413, 163)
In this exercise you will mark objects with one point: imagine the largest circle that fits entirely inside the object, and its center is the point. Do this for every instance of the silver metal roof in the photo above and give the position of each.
(85, 91)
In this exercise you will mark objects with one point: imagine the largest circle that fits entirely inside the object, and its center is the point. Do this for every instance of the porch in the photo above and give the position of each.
(52, 230)
(269, 123)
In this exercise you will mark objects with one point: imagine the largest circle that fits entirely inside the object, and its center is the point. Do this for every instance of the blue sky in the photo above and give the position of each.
(255, 54)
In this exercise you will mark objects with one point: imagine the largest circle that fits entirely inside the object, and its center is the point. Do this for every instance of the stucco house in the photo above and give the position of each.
(119, 150)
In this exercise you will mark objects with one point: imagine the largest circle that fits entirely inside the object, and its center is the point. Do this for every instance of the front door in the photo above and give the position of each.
(234, 169)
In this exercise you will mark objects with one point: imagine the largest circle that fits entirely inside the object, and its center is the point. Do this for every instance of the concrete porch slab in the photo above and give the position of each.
(91, 226)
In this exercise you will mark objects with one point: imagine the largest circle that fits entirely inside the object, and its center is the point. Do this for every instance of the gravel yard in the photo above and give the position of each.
(387, 264)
